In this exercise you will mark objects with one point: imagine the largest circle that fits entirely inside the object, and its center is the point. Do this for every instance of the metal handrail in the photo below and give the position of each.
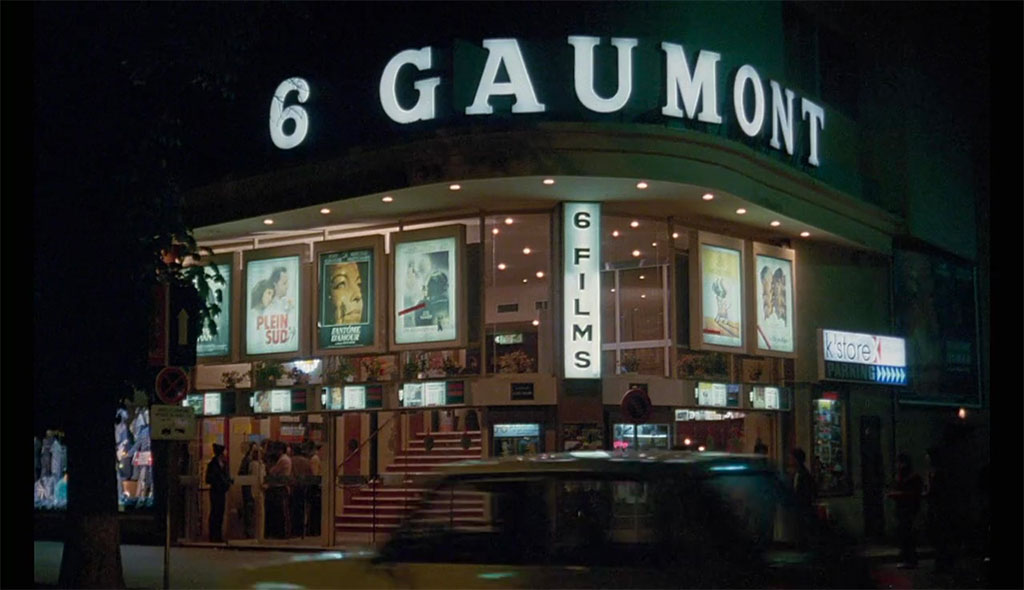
(341, 466)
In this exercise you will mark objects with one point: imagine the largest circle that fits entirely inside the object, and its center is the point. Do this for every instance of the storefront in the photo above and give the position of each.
(482, 242)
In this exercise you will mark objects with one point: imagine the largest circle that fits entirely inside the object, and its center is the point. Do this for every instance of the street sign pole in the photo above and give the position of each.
(167, 514)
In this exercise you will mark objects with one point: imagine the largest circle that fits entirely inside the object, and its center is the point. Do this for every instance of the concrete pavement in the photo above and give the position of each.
(203, 567)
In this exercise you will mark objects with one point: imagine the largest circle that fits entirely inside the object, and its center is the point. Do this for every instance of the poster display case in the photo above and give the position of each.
(828, 460)
(221, 347)
(773, 309)
(348, 289)
(274, 309)
(427, 300)
(718, 293)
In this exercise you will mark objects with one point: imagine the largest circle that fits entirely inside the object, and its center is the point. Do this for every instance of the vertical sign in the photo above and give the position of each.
(582, 289)
(722, 296)
(347, 299)
(773, 285)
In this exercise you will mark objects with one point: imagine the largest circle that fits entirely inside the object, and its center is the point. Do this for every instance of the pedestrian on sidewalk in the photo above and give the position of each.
(219, 480)
(906, 494)
(940, 517)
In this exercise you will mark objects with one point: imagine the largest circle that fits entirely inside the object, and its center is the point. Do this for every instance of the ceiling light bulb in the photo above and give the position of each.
(741, 211)
(641, 185)
(805, 234)
(613, 289)
(634, 223)
(268, 222)
(775, 223)
(494, 231)
(615, 234)
(636, 253)
(527, 250)
(508, 221)
(540, 274)
(502, 266)
(389, 198)
(708, 196)
(325, 210)
(675, 235)
(536, 322)
(524, 280)
(642, 277)
(643, 296)
(654, 244)
(549, 181)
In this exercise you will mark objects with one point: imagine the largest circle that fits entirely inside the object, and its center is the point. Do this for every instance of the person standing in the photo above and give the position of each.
(219, 480)
(279, 477)
(250, 465)
(906, 493)
(301, 472)
(940, 511)
(804, 490)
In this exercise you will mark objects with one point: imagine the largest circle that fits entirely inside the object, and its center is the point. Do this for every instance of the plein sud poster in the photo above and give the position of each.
(272, 305)
(346, 299)
(774, 284)
(220, 345)
(721, 296)
(425, 279)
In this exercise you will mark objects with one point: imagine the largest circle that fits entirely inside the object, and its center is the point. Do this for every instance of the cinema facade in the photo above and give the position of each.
(669, 229)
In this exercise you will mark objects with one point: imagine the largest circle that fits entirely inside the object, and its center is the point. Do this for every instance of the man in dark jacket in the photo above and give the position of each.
(907, 496)
(219, 480)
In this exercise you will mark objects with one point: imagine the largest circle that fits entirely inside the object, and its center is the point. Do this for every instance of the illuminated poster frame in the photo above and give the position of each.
(419, 258)
(294, 318)
(718, 311)
(366, 256)
(227, 319)
(772, 327)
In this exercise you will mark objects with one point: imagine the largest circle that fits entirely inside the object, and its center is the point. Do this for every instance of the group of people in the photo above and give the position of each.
(288, 475)
(936, 490)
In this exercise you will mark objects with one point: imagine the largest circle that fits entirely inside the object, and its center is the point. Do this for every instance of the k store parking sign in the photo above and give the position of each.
(849, 356)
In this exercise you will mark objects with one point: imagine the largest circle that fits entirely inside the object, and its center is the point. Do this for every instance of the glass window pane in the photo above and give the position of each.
(641, 311)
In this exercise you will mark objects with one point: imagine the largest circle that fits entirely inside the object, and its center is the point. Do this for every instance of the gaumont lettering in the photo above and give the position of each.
(691, 82)
(582, 291)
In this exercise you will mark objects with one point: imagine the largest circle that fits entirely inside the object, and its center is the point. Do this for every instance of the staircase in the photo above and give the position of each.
(372, 513)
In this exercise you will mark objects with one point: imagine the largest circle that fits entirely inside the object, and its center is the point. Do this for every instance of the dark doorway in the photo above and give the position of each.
(872, 475)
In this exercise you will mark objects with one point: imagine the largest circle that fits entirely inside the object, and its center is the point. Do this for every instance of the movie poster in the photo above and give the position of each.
(721, 296)
(774, 288)
(220, 345)
(347, 301)
(425, 297)
(272, 305)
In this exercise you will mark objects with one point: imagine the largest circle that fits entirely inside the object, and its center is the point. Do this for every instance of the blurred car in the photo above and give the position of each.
(594, 519)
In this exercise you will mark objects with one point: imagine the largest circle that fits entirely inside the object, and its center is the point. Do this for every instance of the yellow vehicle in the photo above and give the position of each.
(593, 519)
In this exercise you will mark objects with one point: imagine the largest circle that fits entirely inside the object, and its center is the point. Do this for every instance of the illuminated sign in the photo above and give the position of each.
(690, 92)
(723, 395)
(850, 356)
(514, 430)
(220, 345)
(582, 289)
(273, 305)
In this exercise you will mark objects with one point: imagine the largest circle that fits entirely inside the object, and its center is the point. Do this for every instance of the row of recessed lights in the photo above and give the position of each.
(550, 181)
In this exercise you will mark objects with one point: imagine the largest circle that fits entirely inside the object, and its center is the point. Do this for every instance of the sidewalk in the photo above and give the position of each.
(205, 566)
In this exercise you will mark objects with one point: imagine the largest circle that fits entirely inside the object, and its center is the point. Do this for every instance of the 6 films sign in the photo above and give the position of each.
(272, 305)
(582, 288)
(425, 298)
(220, 345)
(346, 300)
(774, 303)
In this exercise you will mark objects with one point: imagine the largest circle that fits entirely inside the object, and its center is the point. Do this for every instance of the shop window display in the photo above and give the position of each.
(828, 464)
(51, 466)
(134, 457)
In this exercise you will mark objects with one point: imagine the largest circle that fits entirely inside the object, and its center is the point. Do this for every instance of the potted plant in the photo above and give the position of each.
(374, 368)
(231, 378)
(515, 362)
(630, 363)
(298, 376)
(410, 369)
(340, 370)
(266, 373)
(450, 366)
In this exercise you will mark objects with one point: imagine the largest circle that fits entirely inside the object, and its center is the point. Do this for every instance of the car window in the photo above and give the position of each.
(565, 519)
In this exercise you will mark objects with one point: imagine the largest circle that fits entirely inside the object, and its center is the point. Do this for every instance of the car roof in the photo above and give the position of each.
(617, 462)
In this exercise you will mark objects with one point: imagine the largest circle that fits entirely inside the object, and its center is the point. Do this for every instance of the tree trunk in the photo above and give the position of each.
(92, 552)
